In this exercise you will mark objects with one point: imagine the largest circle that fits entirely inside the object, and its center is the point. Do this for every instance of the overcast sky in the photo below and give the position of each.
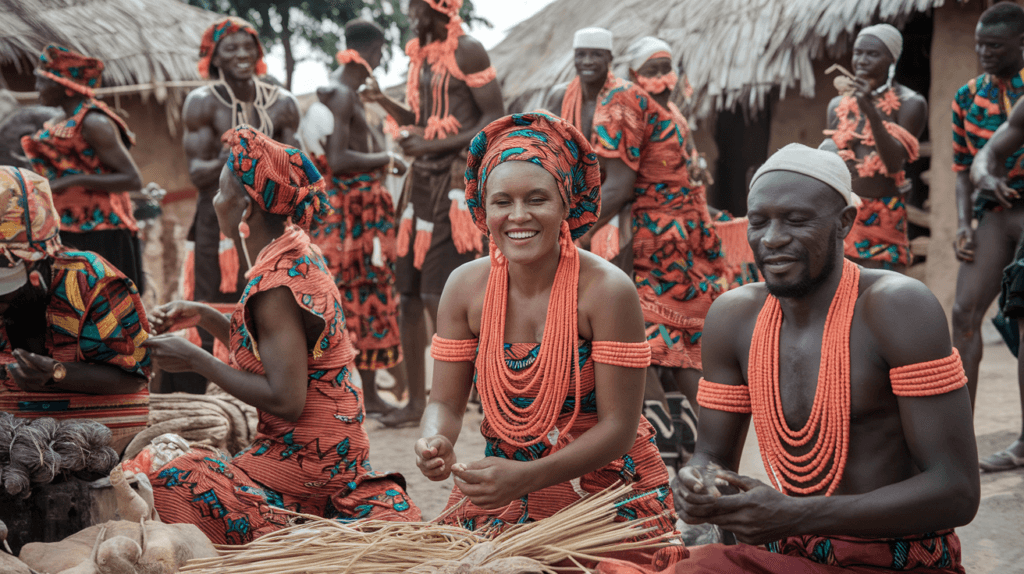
(504, 14)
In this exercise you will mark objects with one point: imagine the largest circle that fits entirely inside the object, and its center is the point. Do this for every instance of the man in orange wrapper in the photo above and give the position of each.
(358, 239)
(875, 129)
(857, 396)
(452, 94)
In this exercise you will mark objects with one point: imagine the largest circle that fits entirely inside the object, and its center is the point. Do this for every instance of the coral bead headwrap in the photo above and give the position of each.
(548, 141)
(215, 33)
(279, 178)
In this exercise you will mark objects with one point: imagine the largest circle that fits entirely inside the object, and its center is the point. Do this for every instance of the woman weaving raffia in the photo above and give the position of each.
(562, 399)
(290, 358)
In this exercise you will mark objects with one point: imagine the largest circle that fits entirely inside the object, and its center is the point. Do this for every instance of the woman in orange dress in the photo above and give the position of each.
(554, 338)
(291, 358)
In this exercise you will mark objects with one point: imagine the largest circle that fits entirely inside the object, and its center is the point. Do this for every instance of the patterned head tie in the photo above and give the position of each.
(29, 224)
(447, 7)
(545, 140)
(217, 32)
(72, 70)
(279, 179)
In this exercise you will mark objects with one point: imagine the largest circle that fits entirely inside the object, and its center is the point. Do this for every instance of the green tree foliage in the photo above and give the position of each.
(320, 23)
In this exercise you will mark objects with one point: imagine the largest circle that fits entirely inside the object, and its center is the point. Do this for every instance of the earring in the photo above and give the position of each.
(243, 230)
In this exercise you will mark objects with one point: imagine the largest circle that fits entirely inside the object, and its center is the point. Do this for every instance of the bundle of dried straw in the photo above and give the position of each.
(582, 531)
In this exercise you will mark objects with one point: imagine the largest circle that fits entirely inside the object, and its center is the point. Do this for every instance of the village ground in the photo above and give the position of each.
(992, 543)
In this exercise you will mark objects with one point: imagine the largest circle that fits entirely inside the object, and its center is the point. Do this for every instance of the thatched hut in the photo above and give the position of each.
(150, 49)
(757, 67)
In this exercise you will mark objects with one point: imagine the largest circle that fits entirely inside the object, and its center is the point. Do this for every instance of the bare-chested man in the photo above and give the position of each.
(230, 54)
(987, 176)
(358, 239)
(979, 108)
(452, 94)
(875, 129)
(853, 365)
(588, 103)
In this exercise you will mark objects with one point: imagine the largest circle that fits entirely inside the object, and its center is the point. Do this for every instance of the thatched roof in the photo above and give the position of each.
(735, 51)
(140, 41)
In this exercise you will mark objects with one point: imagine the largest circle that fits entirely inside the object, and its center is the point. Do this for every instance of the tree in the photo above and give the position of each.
(320, 23)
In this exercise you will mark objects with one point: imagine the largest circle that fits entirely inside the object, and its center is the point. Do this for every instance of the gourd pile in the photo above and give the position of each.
(37, 451)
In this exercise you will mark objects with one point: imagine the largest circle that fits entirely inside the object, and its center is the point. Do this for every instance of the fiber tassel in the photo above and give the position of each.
(227, 257)
(188, 272)
(404, 232)
(733, 234)
(465, 234)
(605, 242)
(424, 233)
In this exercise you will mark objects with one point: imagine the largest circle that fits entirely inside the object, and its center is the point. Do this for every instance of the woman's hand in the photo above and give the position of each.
(174, 354)
(32, 371)
(176, 315)
(435, 457)
(494, 482)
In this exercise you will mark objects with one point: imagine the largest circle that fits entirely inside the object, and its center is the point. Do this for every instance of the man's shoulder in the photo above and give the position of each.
(965, 94)
(736, 304)
(892, 302)
(471, 56)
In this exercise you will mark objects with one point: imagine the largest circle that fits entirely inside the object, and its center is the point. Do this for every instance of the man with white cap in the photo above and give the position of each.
(71, 325)
(605, 109)
(875, 125)
(856, 393)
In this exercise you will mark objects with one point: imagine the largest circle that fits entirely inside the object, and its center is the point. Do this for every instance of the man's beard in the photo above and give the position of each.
(806, 284)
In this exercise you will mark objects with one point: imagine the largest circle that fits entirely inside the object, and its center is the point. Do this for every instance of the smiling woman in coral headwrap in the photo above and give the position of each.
(556, 338)
(290, 358)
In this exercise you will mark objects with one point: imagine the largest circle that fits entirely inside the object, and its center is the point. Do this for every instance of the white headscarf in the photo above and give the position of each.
(889, 35)
(824, 166)
(594, 38)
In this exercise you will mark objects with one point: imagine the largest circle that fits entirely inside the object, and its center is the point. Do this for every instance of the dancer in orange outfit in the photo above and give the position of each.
(290, 358)
(875, 129)
(858, 398)
(556, 338)
(452, 94)
(358, 239)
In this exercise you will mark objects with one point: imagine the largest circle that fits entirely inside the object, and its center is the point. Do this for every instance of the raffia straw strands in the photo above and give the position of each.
(582, 531)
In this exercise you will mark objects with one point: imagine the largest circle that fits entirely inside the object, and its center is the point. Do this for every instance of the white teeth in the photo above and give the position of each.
(521, 234)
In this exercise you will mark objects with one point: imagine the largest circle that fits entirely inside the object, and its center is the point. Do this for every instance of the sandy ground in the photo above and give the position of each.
(992, 543)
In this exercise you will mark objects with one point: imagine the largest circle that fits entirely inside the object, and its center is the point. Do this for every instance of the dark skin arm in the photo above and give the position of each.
(342, 102)
(939, 434)
(911, 116)
(32, 371)
(206, 156)
(616, 192)
(372, 93)
(286, 119)
(281, 337)
(184, 314)
(987, 173)
(103, 135)
(471, 58)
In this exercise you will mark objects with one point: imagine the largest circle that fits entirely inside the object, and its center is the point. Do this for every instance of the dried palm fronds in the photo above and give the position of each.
(582, 531)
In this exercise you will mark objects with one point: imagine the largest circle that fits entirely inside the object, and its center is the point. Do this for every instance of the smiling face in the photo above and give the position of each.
(999, 49)
(235, 56)
(592, 64)
(871, 60)
(524, 211)
(795, 231)
(230, 203)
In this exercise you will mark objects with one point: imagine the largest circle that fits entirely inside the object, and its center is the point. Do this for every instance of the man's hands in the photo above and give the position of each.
(755, 512)
(370, 91)
(435, 457)
(963, 245)
(174, 354)
(176, 315)
(31, 372)
(413, 144)
(862, 93)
